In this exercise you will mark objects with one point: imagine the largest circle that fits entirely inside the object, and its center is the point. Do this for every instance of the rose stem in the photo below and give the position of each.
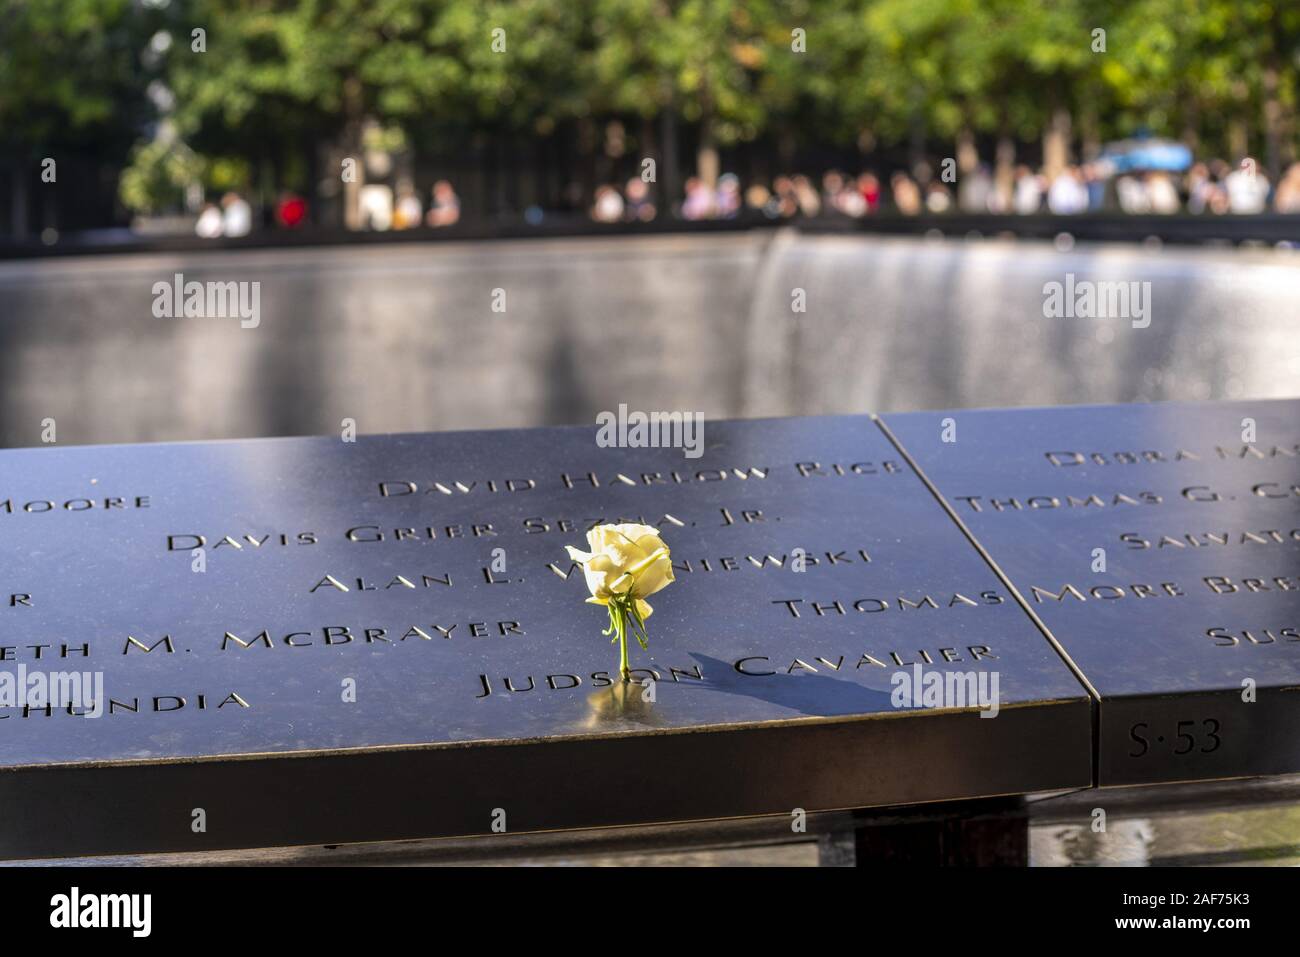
(624, 670)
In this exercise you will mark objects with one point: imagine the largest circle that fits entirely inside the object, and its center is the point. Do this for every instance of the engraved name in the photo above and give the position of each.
(1192, 493)
(360, 584)
(733, 563)
(1235, 638)
(333, 635)
(822, 609)
(1072, 458)
(753, 666)
(1269, 536)
(11, 506)
(1217, 584)
(402, 488)
(156, 704)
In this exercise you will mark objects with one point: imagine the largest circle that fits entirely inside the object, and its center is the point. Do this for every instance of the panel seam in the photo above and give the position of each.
(988, 559)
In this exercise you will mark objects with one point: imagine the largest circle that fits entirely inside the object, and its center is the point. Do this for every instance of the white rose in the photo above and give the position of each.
(629, 560)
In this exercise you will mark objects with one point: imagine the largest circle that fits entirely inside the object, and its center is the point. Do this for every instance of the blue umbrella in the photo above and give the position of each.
(1129, 155)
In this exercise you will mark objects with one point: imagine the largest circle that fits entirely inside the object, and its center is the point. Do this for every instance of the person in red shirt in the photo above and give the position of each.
(290, 211)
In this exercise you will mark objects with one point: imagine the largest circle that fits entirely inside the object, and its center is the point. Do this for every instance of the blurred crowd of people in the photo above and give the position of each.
(379, 208)
(383, 208)
(1214, 187)
(233, 217)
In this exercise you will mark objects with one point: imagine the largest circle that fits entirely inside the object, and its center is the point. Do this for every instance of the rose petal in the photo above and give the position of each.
(654, 577)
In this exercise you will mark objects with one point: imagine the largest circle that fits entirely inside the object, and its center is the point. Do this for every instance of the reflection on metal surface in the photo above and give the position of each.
(624, 705)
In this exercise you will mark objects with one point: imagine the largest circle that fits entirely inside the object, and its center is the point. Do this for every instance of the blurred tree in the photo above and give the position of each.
(816, 50)
(1013, 68)
(159, 174)
(73, 77)
(1049, 70)
(71, 70)
(698, 59)
(929, 68)
(277, 80)
(1209, 71)
(280, 93)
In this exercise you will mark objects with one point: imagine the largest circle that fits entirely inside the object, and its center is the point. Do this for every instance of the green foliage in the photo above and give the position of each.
(280, 78)
(1189, 65)
(158, 175)
(71, 73)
